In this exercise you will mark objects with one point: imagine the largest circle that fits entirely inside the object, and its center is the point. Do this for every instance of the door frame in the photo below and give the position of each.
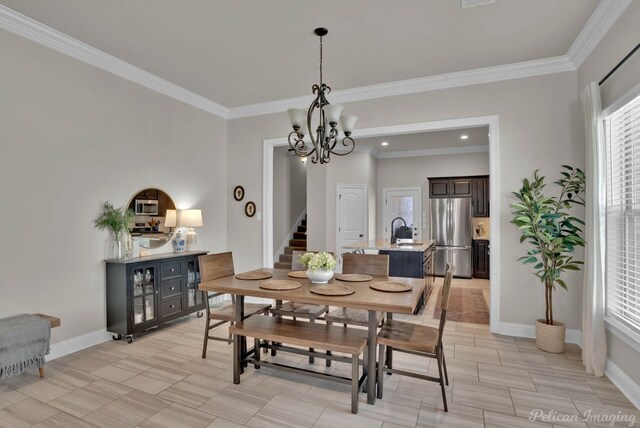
(495, 196)
(385, 219)
(365, 214)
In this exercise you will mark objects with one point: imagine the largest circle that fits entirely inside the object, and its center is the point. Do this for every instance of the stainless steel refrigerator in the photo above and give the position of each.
(452, 230)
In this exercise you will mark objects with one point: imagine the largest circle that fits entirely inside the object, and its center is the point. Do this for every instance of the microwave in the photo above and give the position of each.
(146, 207)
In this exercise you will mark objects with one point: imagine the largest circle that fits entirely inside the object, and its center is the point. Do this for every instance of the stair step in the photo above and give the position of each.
(290, 250)
(297, 242)
(285, 258)
(280, 265)
(299, 235)
(302, 229)
(304, 222)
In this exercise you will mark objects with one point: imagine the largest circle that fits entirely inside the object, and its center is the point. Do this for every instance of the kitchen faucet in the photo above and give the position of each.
(393, 235)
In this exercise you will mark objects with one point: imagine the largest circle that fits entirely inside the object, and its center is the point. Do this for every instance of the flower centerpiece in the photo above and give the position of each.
(118, 220)
(319, 266)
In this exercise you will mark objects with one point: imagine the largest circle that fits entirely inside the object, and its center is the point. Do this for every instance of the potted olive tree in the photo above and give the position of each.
(552, 233)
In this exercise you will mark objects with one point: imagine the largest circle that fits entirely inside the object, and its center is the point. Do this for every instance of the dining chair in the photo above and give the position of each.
(299, 310)
(215, 266)
(416, 339)
(367, 264)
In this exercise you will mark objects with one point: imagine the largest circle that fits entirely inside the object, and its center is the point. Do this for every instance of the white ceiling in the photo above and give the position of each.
(241, 52)
(428, 140)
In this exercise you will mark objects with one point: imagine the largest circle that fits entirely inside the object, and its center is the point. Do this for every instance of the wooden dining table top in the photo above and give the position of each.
(363, 298)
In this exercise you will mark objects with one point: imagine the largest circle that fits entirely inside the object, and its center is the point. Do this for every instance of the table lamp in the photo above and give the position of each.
(191, 219)
(171, 219)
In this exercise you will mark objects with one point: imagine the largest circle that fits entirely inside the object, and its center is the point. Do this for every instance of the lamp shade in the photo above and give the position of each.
(170, 218)
(332, 112)
(348, 122)
(191, 218)
(297, 116)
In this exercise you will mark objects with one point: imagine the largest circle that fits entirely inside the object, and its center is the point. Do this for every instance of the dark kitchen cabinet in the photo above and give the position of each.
(460, 188)
(147, 194)
(450, 187)
(480, 196)
(476, 188)
(145, 292)
(481, 259)
(413, 264)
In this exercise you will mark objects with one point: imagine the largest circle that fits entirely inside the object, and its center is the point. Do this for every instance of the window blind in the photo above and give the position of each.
(622, 135)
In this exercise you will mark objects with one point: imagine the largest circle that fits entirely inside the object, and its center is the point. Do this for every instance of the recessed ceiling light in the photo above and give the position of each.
(464, 137)
(384, 143)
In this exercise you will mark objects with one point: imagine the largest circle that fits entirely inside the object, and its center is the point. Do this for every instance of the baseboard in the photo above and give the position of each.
(624, 383)
(78, 343)
(529, 331)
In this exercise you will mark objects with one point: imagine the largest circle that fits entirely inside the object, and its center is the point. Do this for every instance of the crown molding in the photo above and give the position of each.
(432, 152)
(422, 84)
(604, 16)
(31, 29)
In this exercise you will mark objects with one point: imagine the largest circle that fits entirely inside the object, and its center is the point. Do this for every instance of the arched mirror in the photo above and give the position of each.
(154, 226)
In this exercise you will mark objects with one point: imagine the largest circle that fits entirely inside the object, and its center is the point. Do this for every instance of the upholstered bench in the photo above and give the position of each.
(24, 342)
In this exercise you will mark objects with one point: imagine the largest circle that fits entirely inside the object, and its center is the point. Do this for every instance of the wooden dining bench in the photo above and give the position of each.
(267, 330)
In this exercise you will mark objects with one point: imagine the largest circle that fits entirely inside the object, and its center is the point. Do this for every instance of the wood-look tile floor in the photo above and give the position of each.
(160, 381)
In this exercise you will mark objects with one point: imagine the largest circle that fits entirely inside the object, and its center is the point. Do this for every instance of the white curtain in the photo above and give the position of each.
(594, 344)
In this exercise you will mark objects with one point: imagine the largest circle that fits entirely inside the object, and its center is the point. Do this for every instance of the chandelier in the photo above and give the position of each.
(326, 137)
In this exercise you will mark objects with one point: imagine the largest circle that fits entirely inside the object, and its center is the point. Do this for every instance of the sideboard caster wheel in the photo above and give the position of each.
(129, 339)
(199, 314)
(116, 336)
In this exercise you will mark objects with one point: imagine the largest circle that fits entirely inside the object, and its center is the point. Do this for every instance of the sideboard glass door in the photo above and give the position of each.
(144, 294)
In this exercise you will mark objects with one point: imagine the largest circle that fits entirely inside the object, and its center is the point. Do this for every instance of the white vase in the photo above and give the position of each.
(319, 276)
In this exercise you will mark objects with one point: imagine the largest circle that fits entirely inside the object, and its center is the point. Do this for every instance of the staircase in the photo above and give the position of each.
(298, 243)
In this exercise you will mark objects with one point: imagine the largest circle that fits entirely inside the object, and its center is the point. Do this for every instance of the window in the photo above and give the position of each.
(622, 136)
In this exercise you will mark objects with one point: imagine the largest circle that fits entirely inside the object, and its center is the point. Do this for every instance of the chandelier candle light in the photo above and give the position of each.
(326, 137)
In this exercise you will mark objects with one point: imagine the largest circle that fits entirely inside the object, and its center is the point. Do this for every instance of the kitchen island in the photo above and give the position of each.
(408, 260)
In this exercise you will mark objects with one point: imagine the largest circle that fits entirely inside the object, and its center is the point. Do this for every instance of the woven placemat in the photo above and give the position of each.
(279, 284)
(254, 275)
(332, 289)
(354, 277)
(298, 274)
(391, 286)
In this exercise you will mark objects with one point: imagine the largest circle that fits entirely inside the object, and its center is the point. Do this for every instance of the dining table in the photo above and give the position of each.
(364, 297)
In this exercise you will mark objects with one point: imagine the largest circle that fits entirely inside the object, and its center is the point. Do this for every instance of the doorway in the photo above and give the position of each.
(403, 202)
(408, 128)
(351, 203)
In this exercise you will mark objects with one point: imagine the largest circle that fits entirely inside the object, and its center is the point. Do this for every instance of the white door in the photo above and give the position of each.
(352, 215)
(404, 202)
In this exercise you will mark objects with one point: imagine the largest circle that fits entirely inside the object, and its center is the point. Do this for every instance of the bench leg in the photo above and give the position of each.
(256, 354)
(380, 370)
(41, 371)
(311, 358)
(355, 365)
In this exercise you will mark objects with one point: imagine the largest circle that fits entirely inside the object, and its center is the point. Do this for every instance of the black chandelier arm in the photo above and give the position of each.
(298, 145)
(346, 141)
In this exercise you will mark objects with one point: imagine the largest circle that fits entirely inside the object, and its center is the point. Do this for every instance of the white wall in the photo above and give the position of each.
(613, 47)
(71, 137)
(414, 171)
(289, 194)
(539, 128)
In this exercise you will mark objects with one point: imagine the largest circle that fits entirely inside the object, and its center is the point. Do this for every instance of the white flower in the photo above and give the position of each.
(318, 261)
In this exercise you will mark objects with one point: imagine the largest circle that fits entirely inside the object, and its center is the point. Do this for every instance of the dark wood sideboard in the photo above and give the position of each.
(145, 292)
